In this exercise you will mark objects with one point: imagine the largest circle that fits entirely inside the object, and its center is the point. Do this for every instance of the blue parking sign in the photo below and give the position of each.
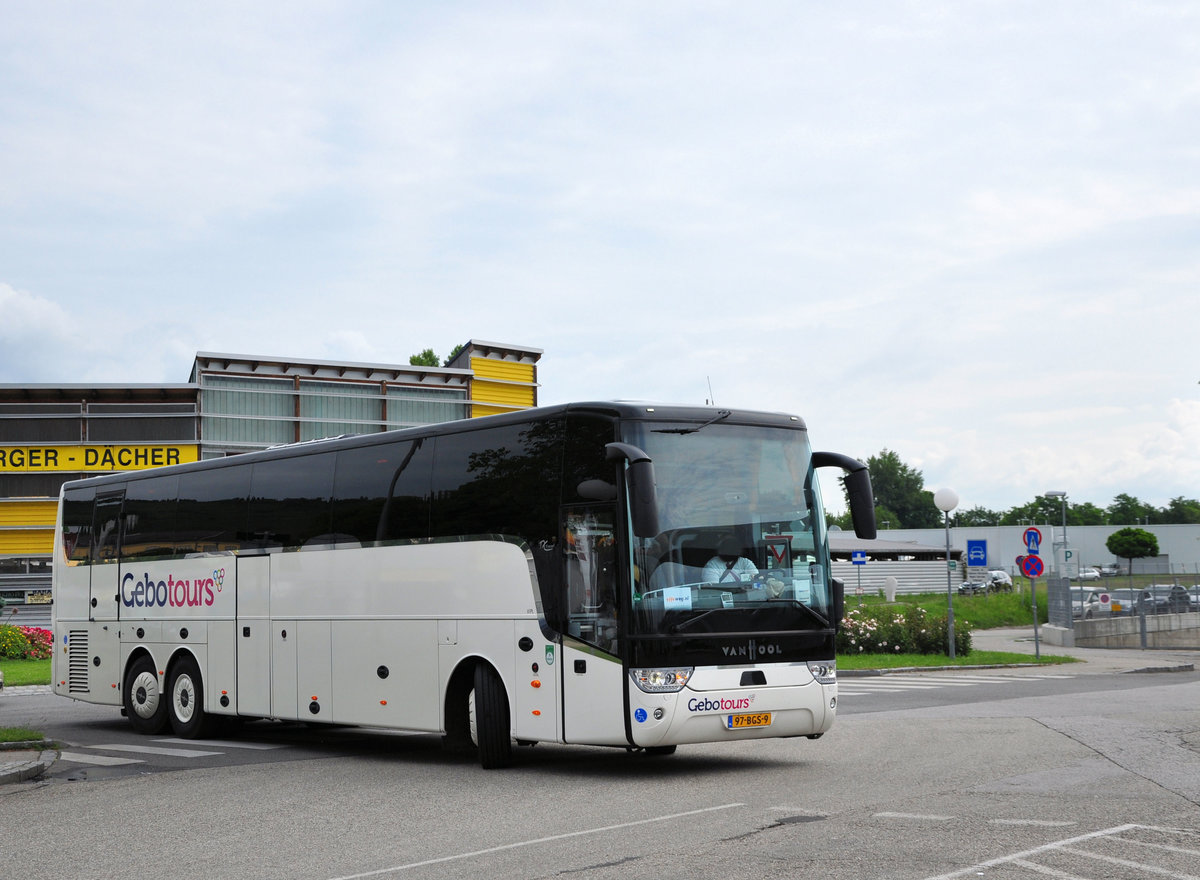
(977, 553)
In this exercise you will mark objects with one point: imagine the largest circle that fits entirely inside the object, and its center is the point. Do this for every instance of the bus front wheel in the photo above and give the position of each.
(186, 705)
(145, 704)
(487, 710)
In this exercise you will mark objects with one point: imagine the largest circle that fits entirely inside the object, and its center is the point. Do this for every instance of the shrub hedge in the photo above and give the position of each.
(25, 642)
(900, 629)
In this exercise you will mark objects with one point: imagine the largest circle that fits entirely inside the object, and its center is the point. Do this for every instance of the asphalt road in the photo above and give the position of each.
(1002, 774)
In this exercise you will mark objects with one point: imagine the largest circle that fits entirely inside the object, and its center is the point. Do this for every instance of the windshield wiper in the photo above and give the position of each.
(812, 612)
(680, 627)
(815, 615)
(723, 414)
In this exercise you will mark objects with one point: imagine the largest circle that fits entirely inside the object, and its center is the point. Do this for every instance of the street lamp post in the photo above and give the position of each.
(946, 500)
(1062, 496)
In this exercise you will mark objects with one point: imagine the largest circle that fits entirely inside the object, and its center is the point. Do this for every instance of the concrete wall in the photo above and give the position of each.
(1162, 631)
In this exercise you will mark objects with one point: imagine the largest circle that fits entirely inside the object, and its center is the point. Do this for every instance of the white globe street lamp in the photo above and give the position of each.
(946, 500)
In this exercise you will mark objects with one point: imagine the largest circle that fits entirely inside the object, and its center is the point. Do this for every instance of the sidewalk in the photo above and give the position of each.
(22, 761)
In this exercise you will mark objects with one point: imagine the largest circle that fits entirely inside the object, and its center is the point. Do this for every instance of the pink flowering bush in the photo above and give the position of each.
(890, 629)
(25, 642)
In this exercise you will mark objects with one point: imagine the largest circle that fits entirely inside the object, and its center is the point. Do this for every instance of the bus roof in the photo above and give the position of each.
(618, 409)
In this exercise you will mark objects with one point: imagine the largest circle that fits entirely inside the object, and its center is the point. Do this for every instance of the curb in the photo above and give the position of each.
(868, 673)
(31, 745)
(871, 673)
(1183, 667)
(42, 755)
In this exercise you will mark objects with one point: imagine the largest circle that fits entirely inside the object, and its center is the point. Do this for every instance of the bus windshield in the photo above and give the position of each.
(742, 544)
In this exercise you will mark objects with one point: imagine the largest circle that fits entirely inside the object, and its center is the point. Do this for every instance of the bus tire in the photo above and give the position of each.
(490, 719)
(186, 700)
(145, 703)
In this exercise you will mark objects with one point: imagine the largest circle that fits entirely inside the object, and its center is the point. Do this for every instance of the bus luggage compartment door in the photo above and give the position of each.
(593, 696)
(253, 636)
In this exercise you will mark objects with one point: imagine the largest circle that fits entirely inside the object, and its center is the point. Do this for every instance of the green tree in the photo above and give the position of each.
(886, 519)
(977, 516)
(841, 520)
(1040, 511)
(453, 354)
(1130, 543)
(901, 490)
(1086, 514)
(425, 359)
(1181, 510)
(1126, 510)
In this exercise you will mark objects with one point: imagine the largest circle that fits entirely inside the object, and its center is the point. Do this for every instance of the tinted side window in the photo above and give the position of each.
(499, 481)
(77, 524)
(150, 517)
(289, 501)
(106, 526)
(212, 509)
(382, 492)
(587, 475)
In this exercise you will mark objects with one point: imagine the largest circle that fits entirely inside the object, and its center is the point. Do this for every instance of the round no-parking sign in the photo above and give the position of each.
(1032, 566)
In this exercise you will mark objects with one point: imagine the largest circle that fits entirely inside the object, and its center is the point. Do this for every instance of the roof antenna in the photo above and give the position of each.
(710, 401)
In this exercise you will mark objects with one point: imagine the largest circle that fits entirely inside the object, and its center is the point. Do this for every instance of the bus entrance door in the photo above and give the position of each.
(593, 699)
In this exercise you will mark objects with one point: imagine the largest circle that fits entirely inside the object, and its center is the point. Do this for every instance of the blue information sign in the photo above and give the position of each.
(858, 557)
(977, 553)
(1033, 540)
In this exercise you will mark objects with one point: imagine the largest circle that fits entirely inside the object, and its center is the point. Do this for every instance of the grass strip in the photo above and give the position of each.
(975, 658)
(20, 735)
(23, 672)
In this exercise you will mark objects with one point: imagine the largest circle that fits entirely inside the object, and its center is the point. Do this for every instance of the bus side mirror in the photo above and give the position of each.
(862, 502)
(643, 494)
(858, 490)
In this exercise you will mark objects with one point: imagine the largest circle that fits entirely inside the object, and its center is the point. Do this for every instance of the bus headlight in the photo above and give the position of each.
(661, 681)
(824, 671)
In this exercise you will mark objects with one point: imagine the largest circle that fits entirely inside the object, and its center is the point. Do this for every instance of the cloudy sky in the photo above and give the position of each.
(969, 232)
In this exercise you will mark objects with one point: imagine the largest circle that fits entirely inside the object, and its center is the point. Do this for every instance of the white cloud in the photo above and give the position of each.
(35, 336)
(964, 233)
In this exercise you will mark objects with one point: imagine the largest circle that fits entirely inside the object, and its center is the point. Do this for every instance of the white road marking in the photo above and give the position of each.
(523, 843)
(101, 760)
(151, 750)
(1070, 844)
(922, 816)
(226, 743)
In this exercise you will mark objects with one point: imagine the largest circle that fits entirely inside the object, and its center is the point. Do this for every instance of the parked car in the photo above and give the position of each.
(1154, 599)
(1088, 573)
(1097, 603)
(1174, 598)
(999, 581)
(973, 588)
(1111, 570)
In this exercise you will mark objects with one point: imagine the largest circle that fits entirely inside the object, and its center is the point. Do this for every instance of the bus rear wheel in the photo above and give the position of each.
(487, 710)
(145, 705)
(186, 704)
